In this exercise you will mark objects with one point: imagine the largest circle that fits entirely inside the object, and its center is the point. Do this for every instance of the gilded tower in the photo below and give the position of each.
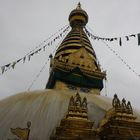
(74, 64)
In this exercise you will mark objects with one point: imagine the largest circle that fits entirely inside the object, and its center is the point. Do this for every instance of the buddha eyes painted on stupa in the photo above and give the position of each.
(72, 87)
(82, 89)
(86, 90)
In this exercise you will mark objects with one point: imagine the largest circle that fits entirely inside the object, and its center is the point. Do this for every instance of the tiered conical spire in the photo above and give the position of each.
(76, 38)
(75, 56)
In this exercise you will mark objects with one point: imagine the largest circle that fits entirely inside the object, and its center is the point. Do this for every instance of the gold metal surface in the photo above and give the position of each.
(120, 121)
(75, 125)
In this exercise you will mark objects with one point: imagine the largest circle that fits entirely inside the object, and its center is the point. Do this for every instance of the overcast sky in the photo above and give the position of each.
(24, 24)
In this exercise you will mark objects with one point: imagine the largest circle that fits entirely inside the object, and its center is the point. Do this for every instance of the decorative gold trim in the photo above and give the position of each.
(67, 67)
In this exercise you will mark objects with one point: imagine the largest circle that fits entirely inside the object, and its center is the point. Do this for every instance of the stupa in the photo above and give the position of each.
(71, 106)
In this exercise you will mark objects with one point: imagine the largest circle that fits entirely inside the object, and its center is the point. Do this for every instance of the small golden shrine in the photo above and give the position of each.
(119, 122)
(75, 125)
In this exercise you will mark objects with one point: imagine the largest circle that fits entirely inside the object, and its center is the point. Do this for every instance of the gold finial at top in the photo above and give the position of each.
(78, 17)
(78, 6)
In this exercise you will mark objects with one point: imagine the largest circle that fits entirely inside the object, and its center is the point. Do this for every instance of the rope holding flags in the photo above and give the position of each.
(37, 49)
(118, 56)
(138, 39)
(127, 38)
(61, 32)
(41, 70)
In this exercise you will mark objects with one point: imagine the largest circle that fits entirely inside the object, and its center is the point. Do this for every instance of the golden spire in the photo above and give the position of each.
(78, 6)
(76, 38)
(76, 54)
(78, 17)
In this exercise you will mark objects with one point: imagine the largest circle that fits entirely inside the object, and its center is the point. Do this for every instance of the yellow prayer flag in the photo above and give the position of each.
(22, 133)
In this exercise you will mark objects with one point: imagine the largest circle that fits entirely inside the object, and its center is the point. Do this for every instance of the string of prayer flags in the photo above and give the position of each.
(44, 48)
(127, 38)
(114, 39)
(3, 69)
(37, 49)
(132, 35)
(7, 65)
(13, 65)
(120, 42)
(138, 39)
(19, 60)
(24, 58)
(120, 58)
